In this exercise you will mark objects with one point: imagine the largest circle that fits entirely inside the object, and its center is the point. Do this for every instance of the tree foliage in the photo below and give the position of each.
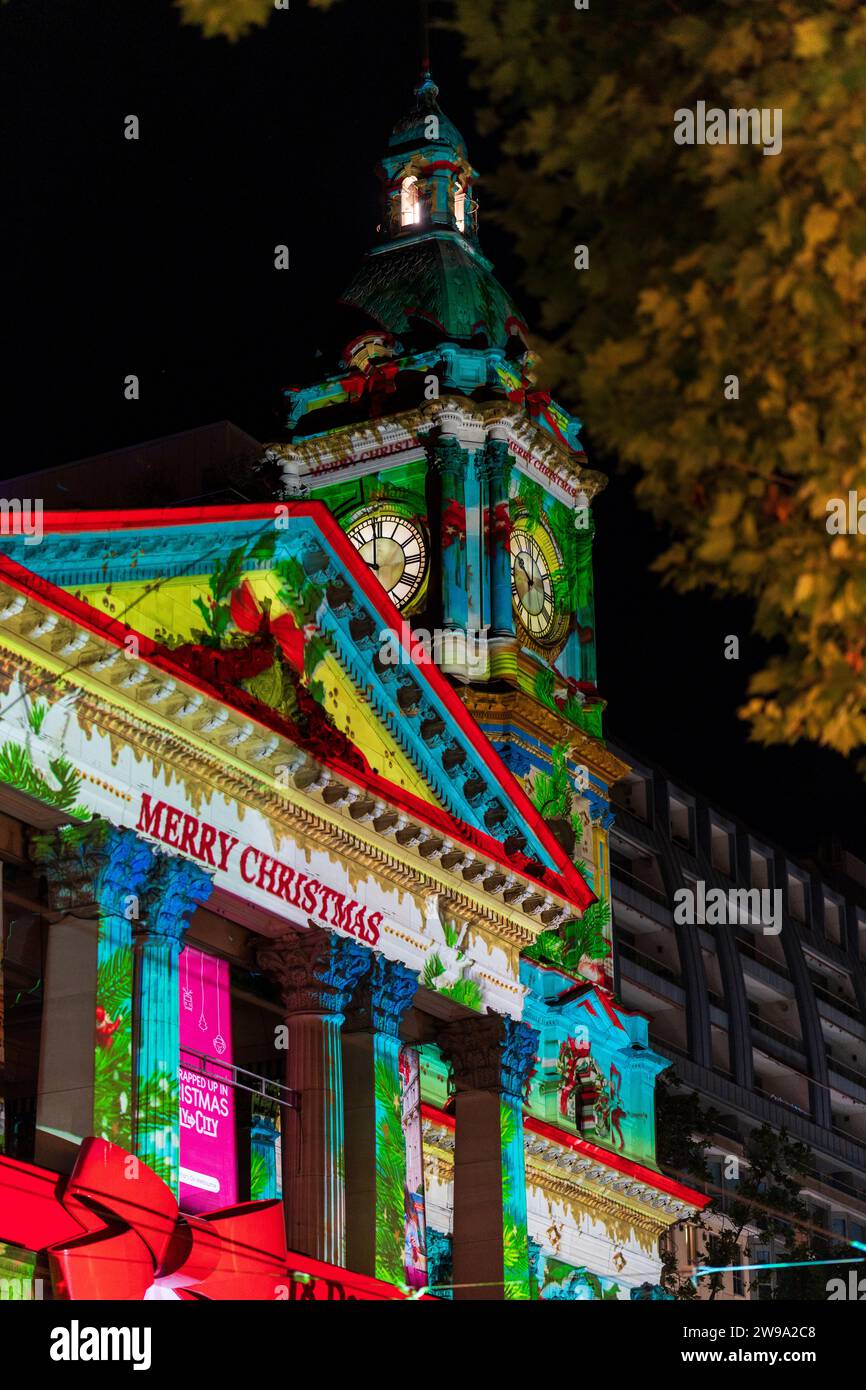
(705, 262)
(708, 261)
(233, 19)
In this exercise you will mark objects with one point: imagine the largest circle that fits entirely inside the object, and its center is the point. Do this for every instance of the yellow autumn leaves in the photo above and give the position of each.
(708, 264)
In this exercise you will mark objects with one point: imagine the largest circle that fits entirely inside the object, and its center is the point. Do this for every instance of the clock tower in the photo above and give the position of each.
(465, 488)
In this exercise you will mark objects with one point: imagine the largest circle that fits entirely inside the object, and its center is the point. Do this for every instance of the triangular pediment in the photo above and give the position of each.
(270, 607)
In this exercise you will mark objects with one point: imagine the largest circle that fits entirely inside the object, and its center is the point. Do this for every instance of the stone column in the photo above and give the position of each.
(375, 1142)
(263, 1158)
(449, 459)
(176, 888)
(491, 1058)
(316, 972)
(95, 874)
(498, 470)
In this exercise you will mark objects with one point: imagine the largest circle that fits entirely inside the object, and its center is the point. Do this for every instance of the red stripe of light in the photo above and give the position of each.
(572, 886)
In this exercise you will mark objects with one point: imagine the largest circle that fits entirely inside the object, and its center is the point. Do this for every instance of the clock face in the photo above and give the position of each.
(531, 586)
(395, 551)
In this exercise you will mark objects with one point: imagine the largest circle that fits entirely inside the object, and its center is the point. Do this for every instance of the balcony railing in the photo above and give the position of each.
(838, 1002)
(238, 1077)
(769, 1030)
(639, 885)
(845, 1069)
(651, 963)
(748, 948)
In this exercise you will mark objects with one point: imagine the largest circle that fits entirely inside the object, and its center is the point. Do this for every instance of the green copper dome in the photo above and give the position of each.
(411, 133)
(427, 280)
(433, 286)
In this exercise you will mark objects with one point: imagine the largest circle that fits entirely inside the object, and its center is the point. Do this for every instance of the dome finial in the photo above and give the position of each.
(426, 85)
(426, 91)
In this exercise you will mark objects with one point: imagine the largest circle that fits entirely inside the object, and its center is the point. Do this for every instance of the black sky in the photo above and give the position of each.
(156, 258)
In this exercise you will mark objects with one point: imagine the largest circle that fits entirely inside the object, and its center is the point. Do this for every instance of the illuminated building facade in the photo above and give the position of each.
(768, 1027)
(306, 826)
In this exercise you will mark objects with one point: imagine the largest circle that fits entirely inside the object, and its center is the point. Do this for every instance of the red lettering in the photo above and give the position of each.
(227, 844)
(172, 816)
(267, 872)
(309, 903)
(150, 816)
(329, 898)
(188, 834)
(208, 839)
(284, 883)
(342, 914)
(299, 881)
(248, 878)
(371, 931)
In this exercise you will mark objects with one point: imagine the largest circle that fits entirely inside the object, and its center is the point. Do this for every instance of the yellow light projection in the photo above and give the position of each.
(170, 612)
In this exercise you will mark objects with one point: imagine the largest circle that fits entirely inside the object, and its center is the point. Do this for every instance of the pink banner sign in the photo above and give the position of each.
(208, 1159)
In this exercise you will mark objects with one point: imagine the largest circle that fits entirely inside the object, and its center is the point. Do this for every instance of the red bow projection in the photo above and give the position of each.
(572, 1056)
(112, 1230)
(538, 404)
(248, 617)
(378, 382)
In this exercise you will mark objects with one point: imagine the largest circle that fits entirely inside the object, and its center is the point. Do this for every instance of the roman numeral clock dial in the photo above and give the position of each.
(395, 550)
(531, 586)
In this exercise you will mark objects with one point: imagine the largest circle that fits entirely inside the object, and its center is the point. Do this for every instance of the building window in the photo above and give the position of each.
(797, 898)
(739, 1287)
(760, 869)
(681, 822)
(631, 794)
(720, 848)
(833, 921)
(410, 202)
(460, 208)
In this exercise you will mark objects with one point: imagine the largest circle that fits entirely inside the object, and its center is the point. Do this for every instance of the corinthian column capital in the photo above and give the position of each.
(489, 1053)
(447, 455)
(177, 888)
(92, 864)
(316, 971)
(385, 997)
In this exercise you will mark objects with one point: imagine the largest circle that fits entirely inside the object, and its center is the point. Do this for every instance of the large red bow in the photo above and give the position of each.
(112, 1230)
(377, 381)
(248, 617)
(538, 404)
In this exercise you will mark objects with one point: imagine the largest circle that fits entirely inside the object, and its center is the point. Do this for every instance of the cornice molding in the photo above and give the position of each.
(471, 421)
(558, 1171)
(206, 743)
(518, 708)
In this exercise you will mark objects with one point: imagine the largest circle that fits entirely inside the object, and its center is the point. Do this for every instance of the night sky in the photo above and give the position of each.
(156, 258)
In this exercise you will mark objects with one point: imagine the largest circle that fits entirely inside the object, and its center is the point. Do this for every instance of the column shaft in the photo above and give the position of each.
(498, 468)
(490, 1057)
(64, 1106)
(175, 889)
(317, 972)
(383, 1216)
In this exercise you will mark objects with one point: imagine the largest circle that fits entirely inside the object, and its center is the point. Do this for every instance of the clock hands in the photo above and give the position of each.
(534, 579)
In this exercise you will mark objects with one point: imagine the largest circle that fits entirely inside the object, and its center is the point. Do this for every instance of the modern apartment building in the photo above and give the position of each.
(765, 1019)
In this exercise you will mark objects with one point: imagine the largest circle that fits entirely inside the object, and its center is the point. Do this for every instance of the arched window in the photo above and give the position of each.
(460, 208)
(410, 202)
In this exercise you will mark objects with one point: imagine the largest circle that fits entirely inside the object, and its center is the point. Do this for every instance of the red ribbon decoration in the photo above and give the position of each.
(379, 381)
(537, 403)
(249, 617)
(112, 1230)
